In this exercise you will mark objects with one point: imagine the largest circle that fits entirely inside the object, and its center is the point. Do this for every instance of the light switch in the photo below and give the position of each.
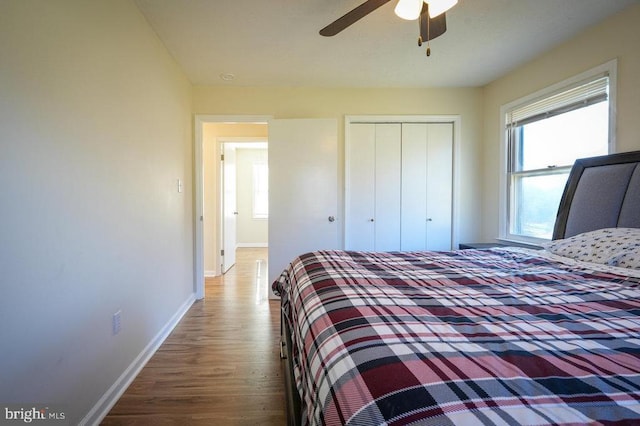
(179, 185)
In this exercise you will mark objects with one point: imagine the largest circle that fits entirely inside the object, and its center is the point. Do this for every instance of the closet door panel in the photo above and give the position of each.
(399, 186)
(387, 186)
(360, 179)
(439, 186)
(414, 187)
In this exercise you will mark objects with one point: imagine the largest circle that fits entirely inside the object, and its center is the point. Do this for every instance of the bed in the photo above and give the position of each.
(496, 336)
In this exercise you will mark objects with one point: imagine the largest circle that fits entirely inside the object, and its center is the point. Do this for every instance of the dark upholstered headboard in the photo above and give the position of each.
(601, 192)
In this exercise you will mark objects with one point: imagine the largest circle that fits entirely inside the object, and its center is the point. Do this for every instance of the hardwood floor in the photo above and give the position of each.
(221, 364)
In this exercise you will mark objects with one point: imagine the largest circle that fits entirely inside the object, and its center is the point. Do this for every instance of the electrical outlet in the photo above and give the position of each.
(116, 322)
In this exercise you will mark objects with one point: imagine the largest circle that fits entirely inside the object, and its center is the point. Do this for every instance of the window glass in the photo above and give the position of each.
(536, 204)
(561, 139)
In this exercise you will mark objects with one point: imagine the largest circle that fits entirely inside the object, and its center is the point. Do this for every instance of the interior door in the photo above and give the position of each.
(303, 189)
(229, 203)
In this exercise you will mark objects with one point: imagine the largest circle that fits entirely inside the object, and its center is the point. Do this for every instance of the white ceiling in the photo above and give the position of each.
(276, 42)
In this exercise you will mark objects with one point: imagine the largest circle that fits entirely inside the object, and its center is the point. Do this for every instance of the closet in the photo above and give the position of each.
(399, 184)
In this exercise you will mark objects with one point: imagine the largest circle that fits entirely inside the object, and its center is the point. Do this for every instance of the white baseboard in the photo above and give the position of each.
(248, 245)
(209, 274)
(111, 396)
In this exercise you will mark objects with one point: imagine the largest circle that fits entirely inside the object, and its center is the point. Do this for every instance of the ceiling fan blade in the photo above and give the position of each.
(431, 28)
(351, 17)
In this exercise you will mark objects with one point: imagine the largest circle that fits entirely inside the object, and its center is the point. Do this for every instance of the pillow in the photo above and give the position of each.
(610, 246)
(628, 260)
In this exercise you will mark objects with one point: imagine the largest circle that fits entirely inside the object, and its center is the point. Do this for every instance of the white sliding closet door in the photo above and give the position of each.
(414, 187)
(387, 186)
(373, 180)
(440, 186)
(427, 182)
(399, 180)
(360, 178)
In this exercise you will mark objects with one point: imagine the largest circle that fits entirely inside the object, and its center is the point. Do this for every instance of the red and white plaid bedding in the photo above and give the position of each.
(461, 338)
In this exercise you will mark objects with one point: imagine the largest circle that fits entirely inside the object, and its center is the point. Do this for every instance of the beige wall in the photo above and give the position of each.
(212, 135)
(96, 122)
(617, 37)
(96, 130)
(336, 103)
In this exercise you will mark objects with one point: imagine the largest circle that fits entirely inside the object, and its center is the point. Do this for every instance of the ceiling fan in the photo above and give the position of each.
(430, 15)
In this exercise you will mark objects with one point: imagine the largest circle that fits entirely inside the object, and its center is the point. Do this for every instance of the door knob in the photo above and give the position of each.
(332, 219)
(371, 220)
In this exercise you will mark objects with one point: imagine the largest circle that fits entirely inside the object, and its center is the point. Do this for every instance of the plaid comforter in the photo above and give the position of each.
(461, 338)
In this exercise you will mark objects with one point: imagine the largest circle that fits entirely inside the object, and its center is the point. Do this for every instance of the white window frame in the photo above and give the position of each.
(608, 68)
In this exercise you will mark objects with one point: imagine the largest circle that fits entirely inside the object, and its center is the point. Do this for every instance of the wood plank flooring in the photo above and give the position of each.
(221, 365)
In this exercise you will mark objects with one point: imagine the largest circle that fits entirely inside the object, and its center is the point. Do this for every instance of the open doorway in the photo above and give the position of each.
(211, 133)
(244, 195)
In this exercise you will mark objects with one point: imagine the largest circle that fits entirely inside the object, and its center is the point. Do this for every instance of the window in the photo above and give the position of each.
(544, 136)
(260, 191)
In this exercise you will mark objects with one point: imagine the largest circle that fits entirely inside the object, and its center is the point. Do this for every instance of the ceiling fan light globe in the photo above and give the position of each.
(408, 9)
(438, 7)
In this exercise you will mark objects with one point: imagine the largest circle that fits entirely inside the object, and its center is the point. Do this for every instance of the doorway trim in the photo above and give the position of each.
(198, 218)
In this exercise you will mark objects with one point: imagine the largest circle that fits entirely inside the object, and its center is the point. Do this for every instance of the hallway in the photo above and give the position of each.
(221, 364)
